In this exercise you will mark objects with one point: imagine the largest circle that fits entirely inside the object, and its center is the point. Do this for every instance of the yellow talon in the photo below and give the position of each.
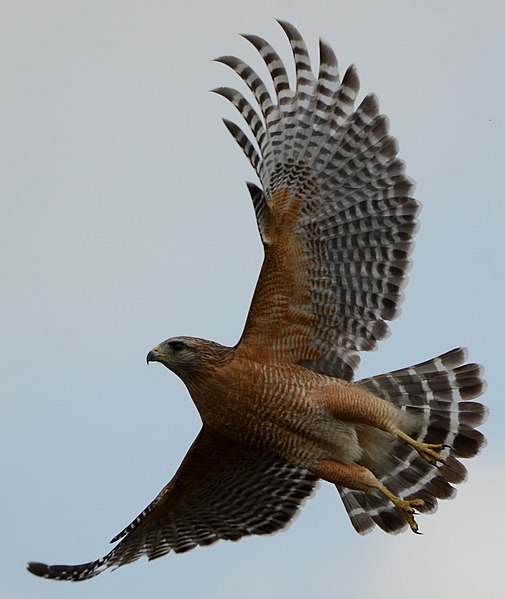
(407, 510)
(406, 507)
(428, 451)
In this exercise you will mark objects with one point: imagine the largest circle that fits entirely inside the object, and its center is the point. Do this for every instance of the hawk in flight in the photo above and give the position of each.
(279, 410)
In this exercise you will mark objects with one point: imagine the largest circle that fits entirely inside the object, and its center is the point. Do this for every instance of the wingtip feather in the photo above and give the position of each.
(38, 569)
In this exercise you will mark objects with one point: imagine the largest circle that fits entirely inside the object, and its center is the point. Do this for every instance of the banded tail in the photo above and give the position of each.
(439, 393)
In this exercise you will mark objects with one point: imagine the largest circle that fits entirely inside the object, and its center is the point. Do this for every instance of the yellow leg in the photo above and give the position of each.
(360, 478)
(428, 451)
(404, 506)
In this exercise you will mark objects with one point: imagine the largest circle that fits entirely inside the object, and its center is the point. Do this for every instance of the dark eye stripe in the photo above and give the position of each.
(177, 345)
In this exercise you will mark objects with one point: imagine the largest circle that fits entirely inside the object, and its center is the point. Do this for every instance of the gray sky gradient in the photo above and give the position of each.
(124, 219)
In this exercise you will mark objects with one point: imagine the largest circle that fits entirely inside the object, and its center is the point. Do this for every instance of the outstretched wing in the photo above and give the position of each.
(335, 212)
(221, 491)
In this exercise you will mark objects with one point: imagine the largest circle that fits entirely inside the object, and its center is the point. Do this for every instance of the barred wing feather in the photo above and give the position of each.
(221, 491)
(334, 211)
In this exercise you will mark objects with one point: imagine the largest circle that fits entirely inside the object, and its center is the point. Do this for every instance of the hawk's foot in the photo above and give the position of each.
(428, 451)
(406, 507)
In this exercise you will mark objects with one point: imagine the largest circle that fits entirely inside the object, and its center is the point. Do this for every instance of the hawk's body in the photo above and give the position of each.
(279, 410)
(303, 416)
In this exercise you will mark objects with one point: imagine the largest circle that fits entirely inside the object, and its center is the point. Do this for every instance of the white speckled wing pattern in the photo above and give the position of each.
(439, 394)
(337, 220)
(358, 218)
(221, 491)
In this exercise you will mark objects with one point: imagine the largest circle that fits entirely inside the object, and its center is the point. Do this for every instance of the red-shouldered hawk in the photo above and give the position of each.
(279, 410)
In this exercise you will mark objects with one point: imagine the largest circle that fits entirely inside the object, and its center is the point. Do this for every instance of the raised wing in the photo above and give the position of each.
(220, 491)
(334, 212)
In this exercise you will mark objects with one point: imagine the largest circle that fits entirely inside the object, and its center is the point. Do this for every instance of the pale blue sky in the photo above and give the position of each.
(124, 219)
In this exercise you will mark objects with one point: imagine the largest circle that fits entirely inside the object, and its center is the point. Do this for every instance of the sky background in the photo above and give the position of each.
(124, 220)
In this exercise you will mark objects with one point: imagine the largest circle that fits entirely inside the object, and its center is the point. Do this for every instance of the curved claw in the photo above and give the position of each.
(428, 451)
(406, 507)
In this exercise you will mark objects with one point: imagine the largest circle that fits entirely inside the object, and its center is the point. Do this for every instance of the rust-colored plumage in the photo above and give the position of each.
(280, 410)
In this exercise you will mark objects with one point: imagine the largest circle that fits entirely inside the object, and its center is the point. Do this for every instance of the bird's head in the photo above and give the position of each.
(189, 357)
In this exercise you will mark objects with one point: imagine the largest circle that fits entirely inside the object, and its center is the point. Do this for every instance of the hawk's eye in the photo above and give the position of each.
(176, 345)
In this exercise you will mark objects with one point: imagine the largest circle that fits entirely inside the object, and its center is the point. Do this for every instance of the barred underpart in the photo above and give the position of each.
(330, 175)
(358, 218)
(257, 495)
(437, 396)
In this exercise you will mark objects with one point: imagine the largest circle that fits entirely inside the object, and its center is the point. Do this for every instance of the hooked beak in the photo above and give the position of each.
(153, 355)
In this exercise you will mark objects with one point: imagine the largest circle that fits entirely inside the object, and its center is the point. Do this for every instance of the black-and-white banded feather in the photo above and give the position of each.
(437, 396)
(246, 492)
(358, 218)
(356, 226)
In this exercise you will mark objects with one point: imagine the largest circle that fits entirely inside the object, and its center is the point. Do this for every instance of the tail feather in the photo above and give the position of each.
(436, 397)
